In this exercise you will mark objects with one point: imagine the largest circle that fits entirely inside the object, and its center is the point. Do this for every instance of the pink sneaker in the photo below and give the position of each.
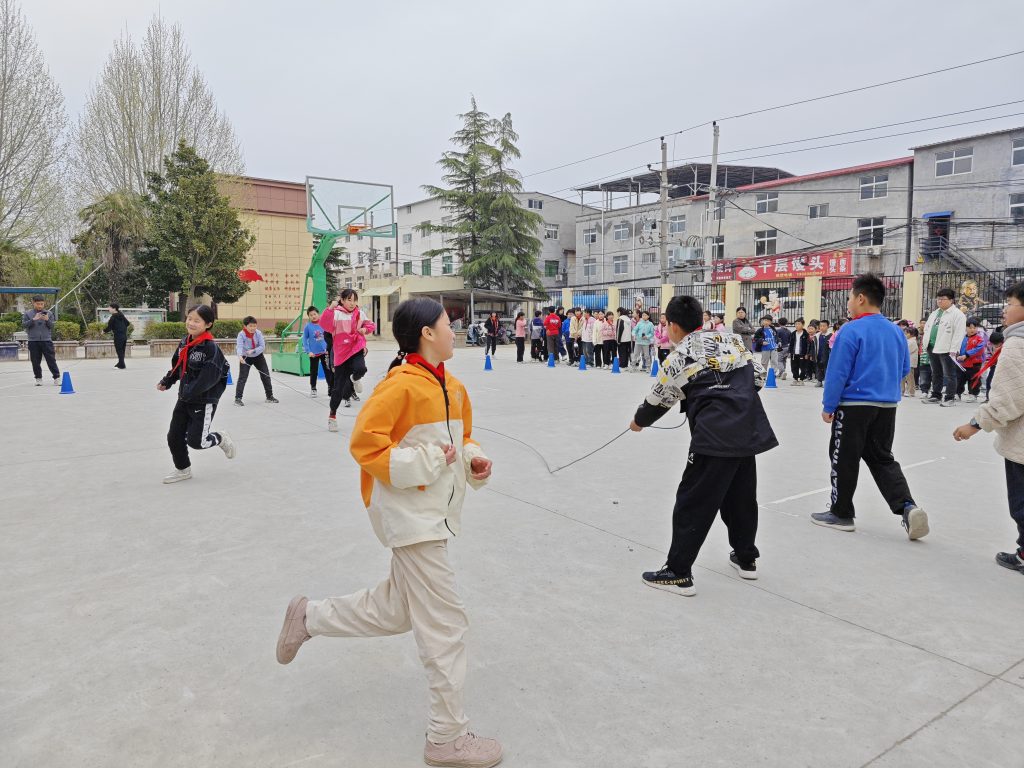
(469, 751)
(293, 633)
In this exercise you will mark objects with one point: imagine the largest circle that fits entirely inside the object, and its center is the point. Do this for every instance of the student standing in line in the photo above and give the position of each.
(942, 336)
(716, 379)
(315, 345)
(520, 333)
(624, 337)
(743, 328)
(862, 390)
(811, 359)
(349, 329)
(492, 325)
(250, 346)
(643, 338)
(537, 336)
(553, 332)
(117, 325)
(971, 357)
(414, 446)
(766, 342)
(662, 339)
(608, 339)
(783, 336)
(201, 372)
(914, 353)
(798, 343)
(38, 324)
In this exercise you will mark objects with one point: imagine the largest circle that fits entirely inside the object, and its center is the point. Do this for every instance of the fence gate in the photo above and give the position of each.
(710, 295)
(778, 298)
(649, 299)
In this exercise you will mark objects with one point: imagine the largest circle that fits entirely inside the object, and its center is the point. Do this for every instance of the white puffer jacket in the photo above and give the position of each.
(952, 329)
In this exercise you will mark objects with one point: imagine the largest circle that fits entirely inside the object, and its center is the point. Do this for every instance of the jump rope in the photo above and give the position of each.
(492, 431)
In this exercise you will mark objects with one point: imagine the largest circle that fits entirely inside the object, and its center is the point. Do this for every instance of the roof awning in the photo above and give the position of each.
(938, 215)
(380, 290)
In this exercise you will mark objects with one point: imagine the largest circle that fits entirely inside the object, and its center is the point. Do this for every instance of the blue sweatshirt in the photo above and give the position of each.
(867, 364)
(313, 341)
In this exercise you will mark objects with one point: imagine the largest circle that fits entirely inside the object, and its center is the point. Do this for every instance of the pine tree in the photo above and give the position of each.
(195, 237)
(490, 233)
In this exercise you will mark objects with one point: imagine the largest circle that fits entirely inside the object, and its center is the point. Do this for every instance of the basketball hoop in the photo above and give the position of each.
(355, 229)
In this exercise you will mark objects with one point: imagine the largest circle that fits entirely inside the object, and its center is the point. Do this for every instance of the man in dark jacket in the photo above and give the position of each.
(716, 379)
(38, 323)
(118, 326)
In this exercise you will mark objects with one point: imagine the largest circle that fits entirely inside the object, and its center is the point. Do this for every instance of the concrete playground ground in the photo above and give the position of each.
(141, 618)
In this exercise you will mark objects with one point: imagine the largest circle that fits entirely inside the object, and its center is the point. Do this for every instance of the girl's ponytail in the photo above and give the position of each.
(410, 318)
(399, 358)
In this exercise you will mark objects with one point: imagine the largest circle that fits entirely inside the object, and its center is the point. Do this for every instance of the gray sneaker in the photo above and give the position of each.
(947, 403)
(469, 751)
(829, 520)
(931, 400)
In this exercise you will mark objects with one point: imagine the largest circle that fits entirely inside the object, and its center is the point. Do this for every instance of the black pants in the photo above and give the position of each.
(924, 377)
(260, 363)
(625, 349)
(821, 370)
(663, 353)
(943, 375)
(120, 344)
(570, 344)
(809, 366)
(37, 350)
(713, 484)
(610, 350)
(520, 348)
(537, 348)
(796, 365)
(190, 428)
(865, 432)
(965, 380)
(598, 354)
(315, 363)
(490, 344)
(1015, 497)
(353, 368)
(329, 339)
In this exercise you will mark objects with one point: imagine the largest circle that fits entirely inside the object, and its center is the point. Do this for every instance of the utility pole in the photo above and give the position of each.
(712, 201)
(663, 227)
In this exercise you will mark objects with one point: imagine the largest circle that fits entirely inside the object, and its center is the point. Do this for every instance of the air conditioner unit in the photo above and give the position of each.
(560, 277)
(868, 250)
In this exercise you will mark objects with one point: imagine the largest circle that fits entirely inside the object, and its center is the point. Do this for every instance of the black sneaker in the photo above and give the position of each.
(272, 399)
(1011, 560)
(745, 570)
(355, 397)
(667, 580)
(238, 402)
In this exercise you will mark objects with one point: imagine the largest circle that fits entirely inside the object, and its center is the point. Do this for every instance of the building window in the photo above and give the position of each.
(620, 265)
(1017, 157)
(535, 204)
(718, 247)
(648, 258)
(621, 232)
(406, 239)
(719, 212)
(446, 264)
(953, 162)
(423, 232)
(819, 211)
(407, 268)
(550, 268)
(408, 209)
(767, 202)
(676, 224)
(348, 238)
(1017, 207)
(870, 231)
(872, 187)
(590, 235)
(550, 231)
(765, 242)
(590, 267)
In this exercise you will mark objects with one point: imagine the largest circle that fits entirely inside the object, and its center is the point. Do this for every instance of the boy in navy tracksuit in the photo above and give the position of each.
(716, 379)
(868, 362)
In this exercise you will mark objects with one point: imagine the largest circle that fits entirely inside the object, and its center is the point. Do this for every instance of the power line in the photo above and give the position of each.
(777, 107)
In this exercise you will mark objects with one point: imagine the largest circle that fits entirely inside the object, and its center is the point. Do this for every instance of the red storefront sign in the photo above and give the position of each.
(838, 263)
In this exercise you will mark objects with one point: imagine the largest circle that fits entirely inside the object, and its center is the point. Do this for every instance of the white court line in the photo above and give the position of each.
(829, 488)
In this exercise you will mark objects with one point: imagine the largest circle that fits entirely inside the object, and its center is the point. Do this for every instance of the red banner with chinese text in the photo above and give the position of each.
(837, 263)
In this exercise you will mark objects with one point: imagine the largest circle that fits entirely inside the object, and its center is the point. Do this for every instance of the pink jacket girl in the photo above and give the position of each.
(346, 325)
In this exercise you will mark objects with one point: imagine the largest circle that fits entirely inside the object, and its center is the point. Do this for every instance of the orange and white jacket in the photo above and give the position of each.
(411, 493)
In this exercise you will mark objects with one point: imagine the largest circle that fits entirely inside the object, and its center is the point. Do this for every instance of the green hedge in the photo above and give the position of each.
(226, 329)
(165, 330)
(7, 331)
(64, 330)
(280, 325)
(94, 331)
(11, 317)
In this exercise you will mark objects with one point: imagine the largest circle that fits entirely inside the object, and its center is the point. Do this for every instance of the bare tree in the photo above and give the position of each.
(148, 98)
(32, 135)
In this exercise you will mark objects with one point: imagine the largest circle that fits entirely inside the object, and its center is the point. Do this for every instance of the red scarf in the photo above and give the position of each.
(415, 359)
(183, 354)
(251, 337)
(989, 364)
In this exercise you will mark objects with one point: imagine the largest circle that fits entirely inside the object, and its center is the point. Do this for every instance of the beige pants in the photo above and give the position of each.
(908, 383)
(420, 595)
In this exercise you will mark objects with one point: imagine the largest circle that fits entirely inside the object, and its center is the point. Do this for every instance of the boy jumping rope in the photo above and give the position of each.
(413, 442)
(717, 380)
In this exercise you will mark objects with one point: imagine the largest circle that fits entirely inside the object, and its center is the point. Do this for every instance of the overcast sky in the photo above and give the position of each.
(371, 90)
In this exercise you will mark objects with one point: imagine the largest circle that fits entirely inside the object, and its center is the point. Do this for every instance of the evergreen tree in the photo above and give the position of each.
(197, 242)
(114, 231)
(490, 233)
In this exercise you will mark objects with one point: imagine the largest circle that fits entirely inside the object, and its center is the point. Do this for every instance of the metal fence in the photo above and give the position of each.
(593, 299)
(778, 298)
(648, 299)
(710, 295)
(978, 294)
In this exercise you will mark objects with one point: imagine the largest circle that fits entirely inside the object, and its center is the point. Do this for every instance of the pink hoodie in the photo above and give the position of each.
(661, 336)
(344, 329)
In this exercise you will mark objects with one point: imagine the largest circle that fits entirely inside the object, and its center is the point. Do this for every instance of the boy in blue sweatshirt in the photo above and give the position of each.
(862, 389)
(314, 344)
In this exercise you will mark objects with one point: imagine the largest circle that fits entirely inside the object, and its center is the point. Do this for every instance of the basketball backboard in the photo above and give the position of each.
(343, 207)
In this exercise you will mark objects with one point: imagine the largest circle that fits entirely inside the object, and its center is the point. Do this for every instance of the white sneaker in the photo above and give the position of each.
(227, 445)
(312, 393)
(948, 403)
(332, 424)
(970, 399)
(178, 475)
(347, 403)
(39, 382)
(357, 385)
(56, 381)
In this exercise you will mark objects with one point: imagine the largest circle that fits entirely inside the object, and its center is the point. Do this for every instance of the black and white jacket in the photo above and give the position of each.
(206, 376)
